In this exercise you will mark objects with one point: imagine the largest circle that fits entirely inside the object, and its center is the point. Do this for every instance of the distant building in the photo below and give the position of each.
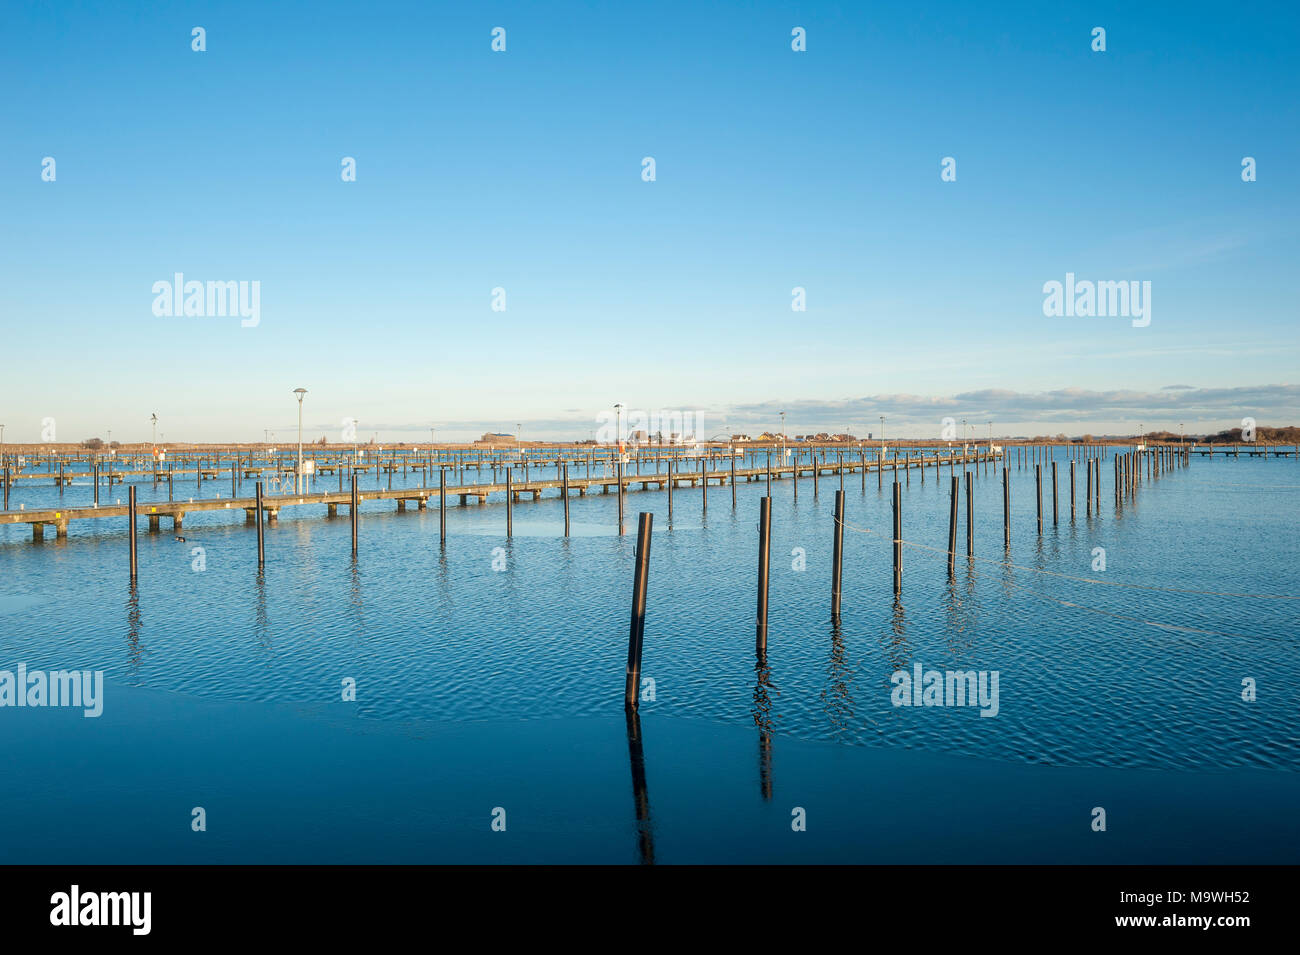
(740, 438)
(497, 437)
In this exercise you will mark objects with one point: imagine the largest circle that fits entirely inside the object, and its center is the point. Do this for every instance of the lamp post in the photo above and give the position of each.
(154, 419)
(784, 453)
(297, 483)
(618, 427)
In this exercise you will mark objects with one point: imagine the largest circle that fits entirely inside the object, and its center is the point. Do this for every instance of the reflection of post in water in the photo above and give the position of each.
(836, 700)
(762, 713)
(133, 624)
(263, 620)
(636, 756)
(354, 598)
(899, 623)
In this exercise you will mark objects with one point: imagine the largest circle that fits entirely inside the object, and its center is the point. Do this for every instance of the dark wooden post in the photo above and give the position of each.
(671, 481)
(353, 507)
(636, 632)
(1006, 509)
(1038, 485)
(764, 563)
(1087, 496)
(970, 518)
(952, 529)
(261, 543)
(442, 505)
(564, 489)
(837, 556)
(898, 539)
(510, 505)
(1071, 492)
(1055, 502)
(130, 512)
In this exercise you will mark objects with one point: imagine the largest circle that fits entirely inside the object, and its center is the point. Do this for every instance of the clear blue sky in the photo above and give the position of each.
(522, 170)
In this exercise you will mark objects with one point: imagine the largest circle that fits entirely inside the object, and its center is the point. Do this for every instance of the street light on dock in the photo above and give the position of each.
(297, 478)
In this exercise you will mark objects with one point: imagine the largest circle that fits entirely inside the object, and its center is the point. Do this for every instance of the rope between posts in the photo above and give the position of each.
(1086, 580)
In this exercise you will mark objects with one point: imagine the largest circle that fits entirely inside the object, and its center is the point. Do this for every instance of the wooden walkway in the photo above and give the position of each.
(60, 517)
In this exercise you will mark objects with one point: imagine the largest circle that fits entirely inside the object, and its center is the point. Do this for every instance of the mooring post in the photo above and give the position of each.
(671, 481)
(1071, 492)
(1038, 485)
(764, 564)
(970, 519)
(442, 505)
(564, 489)
(618, 476)
(261, 547)
(636, 632)
(733, 476)
(704, 487)
(898, 539)
(1055, 504)
(510, 505)
(356, 500)
(952, 529)
(130, 512)
(1006, 510)
(95, 479)
(837, 556)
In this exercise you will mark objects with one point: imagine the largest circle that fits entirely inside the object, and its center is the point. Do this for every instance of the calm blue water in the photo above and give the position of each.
(1092, 676)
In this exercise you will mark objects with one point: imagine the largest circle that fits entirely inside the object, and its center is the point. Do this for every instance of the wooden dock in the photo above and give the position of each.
(59, 518)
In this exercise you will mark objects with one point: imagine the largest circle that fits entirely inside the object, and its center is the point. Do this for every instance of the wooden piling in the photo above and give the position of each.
(1006, 509)
(898, 539)
(636, 631)
(261, 544)
(1038, 484)
(564, 489)
(442, 505)
(764, 564)
(130, 512)
(510, 503)
(952, 529)
(671, 482)
(1071, 492)
(1056, 515)
(970, 518)
(837, 556)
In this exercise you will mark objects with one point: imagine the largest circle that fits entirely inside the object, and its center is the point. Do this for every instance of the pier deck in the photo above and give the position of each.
(60, 517)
